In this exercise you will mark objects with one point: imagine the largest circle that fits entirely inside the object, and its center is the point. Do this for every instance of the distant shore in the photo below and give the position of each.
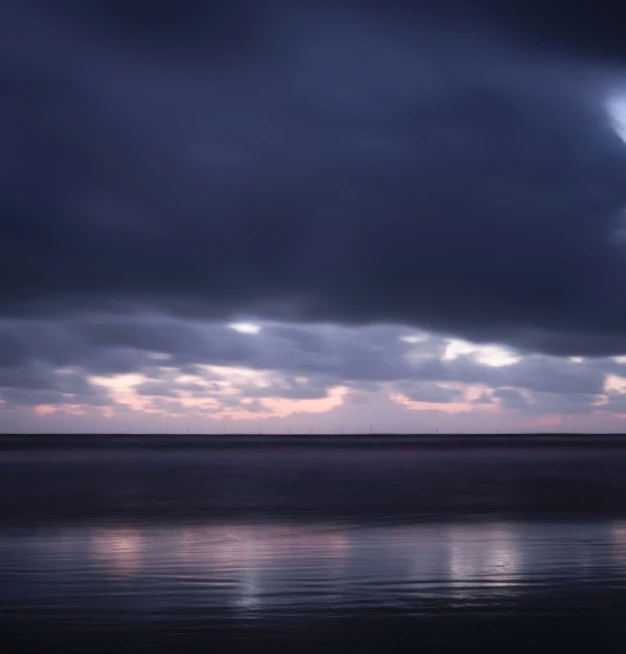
(27, 441)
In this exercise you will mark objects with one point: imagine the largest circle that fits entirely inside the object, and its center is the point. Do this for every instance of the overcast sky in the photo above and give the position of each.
(285, 214)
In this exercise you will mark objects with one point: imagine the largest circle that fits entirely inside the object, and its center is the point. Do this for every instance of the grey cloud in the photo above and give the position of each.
(551, 375)
(428, 392)
(19, 397)
(313, 162)
(538, 402)
(167, 388)
(39, 376)
(155, 388)
(287, 393)
(615, 405)
(255, 406)
(36, 382)
(326, 356)
(168, 405)
(290, 389)
(511, 398)
(447, 166)
(564, 404)
(358, 399)
(16, 397)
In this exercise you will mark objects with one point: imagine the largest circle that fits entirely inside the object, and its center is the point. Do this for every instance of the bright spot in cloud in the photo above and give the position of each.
(118, 383)
(614, 384)
(159, 356)
(414, 338)
(492, 355)
(121, 387)
(245, 327)
(576, 359)
(616, 107)
(457, 348)
(487, 355)
(239, 375)
(44, 409)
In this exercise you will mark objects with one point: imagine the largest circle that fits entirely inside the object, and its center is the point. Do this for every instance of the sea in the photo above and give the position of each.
(309, 544)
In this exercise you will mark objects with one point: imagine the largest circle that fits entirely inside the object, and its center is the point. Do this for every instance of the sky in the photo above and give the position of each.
(303, 215)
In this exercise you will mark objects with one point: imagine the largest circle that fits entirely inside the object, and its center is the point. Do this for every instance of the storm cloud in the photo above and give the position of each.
(363, 185)
(454, 169)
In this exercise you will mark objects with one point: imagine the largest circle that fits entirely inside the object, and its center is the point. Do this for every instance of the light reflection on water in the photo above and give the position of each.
(307, 567)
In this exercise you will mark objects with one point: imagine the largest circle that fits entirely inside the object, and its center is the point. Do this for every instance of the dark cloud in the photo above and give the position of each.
(15, 397)
(155, 388)
(169, 406)
(37, 383)
(290, 389)
(547, 402)
(429, 392)
(209, 27)
(448, 166)
(511, 398)
(254, 407)
(586, 28)
(170, 387)
(563, 404)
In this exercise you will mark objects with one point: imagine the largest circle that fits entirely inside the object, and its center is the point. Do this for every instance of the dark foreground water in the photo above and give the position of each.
(175, 545)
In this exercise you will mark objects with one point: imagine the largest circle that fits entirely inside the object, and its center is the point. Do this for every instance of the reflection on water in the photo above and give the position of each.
(117, 549)
(249, 568)
(618, 541)
(490, 555)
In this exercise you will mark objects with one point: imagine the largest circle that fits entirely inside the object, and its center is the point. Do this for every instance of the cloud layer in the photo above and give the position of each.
(375, 184)
(316, 161)
(159, 366)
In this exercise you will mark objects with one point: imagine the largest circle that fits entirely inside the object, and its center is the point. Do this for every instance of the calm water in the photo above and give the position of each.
(132, 548)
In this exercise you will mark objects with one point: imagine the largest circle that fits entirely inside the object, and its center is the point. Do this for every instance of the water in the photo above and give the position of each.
(127, 547)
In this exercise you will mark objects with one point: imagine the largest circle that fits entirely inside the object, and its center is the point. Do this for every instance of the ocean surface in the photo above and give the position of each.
(445, 544)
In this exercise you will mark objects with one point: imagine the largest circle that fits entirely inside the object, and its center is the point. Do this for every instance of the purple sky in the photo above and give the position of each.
(388, 215)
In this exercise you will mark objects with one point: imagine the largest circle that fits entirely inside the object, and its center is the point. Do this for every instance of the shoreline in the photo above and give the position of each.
(88, 441)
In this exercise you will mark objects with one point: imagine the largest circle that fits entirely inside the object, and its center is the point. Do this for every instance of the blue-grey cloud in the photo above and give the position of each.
(451, 168)
(298, 362)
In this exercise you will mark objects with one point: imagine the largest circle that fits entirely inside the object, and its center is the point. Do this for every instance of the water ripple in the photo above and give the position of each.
(257, 567)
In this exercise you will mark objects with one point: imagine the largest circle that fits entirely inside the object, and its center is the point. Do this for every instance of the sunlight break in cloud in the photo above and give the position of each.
(616, 108)
(488, 355)
(245, 327)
